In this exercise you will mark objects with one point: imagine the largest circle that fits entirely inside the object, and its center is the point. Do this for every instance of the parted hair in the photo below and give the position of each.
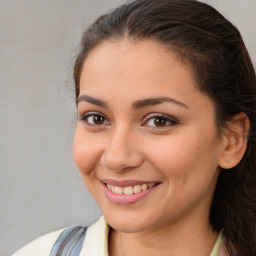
(214, 50)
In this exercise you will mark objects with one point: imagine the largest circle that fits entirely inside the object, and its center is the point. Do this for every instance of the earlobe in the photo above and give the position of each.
(234, 141)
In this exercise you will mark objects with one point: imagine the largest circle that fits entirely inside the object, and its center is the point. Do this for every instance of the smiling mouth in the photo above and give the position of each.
(129, 190)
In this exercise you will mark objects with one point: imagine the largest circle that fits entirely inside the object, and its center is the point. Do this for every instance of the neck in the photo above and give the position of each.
(181, 239)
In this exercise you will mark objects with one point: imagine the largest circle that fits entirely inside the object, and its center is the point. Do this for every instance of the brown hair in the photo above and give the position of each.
(214, 49)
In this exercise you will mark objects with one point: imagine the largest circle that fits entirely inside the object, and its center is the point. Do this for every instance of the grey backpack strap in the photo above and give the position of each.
(69, 242)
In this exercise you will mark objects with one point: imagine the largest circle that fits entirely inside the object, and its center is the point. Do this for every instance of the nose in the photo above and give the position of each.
(122, 152)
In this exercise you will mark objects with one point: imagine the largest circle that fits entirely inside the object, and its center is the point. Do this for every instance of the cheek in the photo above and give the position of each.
(185, 154)
(189, 167)
(171, 155)
(86, 152)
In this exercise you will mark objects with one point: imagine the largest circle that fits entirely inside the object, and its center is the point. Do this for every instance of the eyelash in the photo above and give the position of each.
(86, 116)
(169, 121)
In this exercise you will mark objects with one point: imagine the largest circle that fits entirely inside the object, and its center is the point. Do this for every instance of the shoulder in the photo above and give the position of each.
(95, 242)
(41, 246)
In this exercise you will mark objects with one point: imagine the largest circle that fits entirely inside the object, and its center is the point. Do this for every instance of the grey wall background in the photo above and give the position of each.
(40, 188)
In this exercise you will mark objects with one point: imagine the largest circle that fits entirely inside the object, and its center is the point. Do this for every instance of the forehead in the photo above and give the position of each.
(126, 61)
(120, 50)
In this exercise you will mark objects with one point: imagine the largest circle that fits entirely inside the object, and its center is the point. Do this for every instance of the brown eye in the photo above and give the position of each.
(160, 122)
(98, 119)
(94, 119)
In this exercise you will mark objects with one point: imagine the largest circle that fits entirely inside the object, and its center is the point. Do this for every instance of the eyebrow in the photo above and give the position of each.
(155, 101)
(136, 105)
(92, 100)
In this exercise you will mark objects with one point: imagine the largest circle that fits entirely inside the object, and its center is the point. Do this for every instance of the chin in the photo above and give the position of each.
(126, 226)
(128, 222)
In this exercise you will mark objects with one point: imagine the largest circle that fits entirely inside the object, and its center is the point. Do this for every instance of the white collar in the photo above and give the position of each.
(96, 240)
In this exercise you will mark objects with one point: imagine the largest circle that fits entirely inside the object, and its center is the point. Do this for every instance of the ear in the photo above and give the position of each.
(234, 141)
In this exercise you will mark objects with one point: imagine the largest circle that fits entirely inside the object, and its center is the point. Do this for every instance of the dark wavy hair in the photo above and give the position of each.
(213, 48)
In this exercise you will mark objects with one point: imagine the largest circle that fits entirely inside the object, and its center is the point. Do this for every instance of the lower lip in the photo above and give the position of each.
(126, 199)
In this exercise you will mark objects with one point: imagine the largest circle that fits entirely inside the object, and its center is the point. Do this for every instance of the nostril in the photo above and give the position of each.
(120, 161)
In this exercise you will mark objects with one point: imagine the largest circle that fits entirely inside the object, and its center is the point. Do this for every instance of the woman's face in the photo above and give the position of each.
(146, 142)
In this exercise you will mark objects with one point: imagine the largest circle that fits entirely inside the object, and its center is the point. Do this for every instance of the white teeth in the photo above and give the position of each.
(136, 189)
(129, 190)
(144, 187)
(119, 190)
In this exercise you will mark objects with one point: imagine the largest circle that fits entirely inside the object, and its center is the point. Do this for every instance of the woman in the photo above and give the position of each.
(165, 142)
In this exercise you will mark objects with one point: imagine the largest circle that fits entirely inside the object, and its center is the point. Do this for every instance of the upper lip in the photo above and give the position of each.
(125, 183)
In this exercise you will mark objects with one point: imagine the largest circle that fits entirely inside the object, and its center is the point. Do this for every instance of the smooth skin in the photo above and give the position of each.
(122, 135)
